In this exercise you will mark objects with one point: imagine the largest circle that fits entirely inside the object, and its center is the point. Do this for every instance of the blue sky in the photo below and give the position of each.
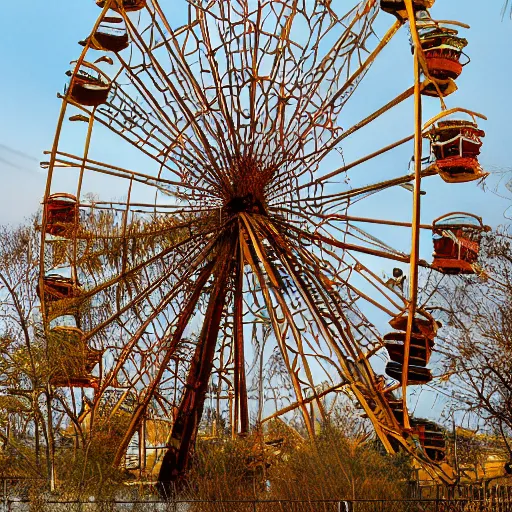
(38, 39)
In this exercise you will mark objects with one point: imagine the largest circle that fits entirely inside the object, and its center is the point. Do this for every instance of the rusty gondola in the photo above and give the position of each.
(61, 213)
(111, 35)
(58, 287)
(457, 239)
(125, 5)
(74, 361)
(455, 146)
(89, 86)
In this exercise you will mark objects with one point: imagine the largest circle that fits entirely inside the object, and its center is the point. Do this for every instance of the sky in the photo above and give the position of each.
(38, 39)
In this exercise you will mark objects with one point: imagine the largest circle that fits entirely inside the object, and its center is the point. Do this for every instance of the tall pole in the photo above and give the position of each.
(416, 216)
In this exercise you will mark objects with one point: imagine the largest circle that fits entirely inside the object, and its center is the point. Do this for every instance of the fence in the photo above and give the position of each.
(459, 505)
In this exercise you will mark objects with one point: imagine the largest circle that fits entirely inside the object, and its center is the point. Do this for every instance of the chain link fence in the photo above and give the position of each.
(489, 505)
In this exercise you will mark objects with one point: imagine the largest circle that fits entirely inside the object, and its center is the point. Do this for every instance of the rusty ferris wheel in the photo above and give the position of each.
(227, 251)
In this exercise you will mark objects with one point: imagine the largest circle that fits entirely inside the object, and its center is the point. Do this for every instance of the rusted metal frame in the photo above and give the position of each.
(145, 180)
(333, 198)
(271, 271)
(366, 297)
(363, 236)
(362, 69)
(346, 57)
(135, 337)
(232, 132)
(149, 289)
(338, 311)
(235, 99)
(254, 78)
(137, 176)
(259, 224)
(123, 235)
(399, 99)
(214, 168)
(315, 264)
(184, 430)
(189, 76)
(359, 268)
(347, 373)
(155, 285)
(170, 349)
(290, 263)
(295, 405)
(241, 412)
(122, 99)
(416, 208)
(277, 331)
(165, 207)
(341, 245)
(176, 132)
(123, 136)
(278, 62)
(300, 108)
(347, 167)
(348, 218)
(175, 33)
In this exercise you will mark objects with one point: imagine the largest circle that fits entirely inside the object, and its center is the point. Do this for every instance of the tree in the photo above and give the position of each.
(478, 347)
(21, 347)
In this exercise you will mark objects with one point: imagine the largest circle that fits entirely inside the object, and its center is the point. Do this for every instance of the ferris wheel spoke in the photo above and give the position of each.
(213, 155)
(298, 273)
(177, 136)
(315, 157)
(278, 333)
(240, 379)
(189, 413)
(170, 344)
(170, 295)
(315, 289)
(167, 187)
(297, 336)
(328, 106)
(342, 50)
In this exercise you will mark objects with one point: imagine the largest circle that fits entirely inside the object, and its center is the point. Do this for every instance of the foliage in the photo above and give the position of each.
(478, 347)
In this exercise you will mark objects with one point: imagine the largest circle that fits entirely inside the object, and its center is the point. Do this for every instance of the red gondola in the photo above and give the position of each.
(61, 213)
(89, 89)
(111, 35)
(444, 88)
(442, 47)
(443, 50)
(73, 358)
(457, 242)
(422, 324)
(57, 287)
(420, 348)
(456, 145)
(126, 5)
(431, 439)
(416, 375)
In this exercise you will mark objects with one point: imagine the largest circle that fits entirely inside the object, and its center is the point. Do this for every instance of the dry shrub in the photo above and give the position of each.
(338, 467)
(335, 466)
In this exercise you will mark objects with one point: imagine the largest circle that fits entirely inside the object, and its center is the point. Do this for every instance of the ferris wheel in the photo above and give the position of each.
(197, 254)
